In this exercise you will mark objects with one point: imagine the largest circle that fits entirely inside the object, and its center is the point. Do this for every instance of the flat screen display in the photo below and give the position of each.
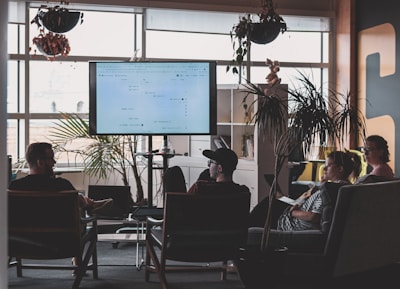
(152, 98)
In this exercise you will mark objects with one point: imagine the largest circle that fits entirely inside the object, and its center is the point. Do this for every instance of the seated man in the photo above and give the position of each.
(221, 165)
(40, 158)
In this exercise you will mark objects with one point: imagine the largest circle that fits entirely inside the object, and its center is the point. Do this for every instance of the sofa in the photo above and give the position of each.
(363, 236)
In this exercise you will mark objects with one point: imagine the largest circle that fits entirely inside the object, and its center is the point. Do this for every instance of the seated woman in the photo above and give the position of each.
(315, 212)
(376, 153)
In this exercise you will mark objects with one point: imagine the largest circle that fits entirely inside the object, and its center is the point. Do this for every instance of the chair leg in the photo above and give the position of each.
(225, 270)
(83, 261)
(147, 260)
(19, 267)
(159, 269)
(94, 263)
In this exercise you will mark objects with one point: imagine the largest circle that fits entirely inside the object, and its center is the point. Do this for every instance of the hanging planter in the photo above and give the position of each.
(52, 44)
(266, 30)
(52, 23)
(60, 21)
(57, 19)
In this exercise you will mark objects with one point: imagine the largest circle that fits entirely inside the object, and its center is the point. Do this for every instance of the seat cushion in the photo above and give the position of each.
(308, 241)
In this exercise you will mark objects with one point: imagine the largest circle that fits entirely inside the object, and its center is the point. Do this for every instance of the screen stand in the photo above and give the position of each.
(165, 162)
(165, 153)
(150, 173)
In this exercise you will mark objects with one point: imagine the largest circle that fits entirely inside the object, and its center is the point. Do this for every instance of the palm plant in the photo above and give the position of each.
(309, 120)
(103, 155)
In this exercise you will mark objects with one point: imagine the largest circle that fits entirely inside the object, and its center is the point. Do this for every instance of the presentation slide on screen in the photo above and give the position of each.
(153, 98)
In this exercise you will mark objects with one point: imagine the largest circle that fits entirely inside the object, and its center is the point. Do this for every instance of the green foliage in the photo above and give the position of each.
(102, 154)
(314, 118)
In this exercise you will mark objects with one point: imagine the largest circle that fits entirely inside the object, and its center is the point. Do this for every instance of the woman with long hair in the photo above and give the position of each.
(376, 154)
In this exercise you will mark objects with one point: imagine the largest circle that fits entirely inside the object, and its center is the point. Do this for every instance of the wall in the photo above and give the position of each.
(345, 64)
(378, 70)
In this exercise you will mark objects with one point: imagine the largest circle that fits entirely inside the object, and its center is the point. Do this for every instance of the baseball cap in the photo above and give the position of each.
(225, 157)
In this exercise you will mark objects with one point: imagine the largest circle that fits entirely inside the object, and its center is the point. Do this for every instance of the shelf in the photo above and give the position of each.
(231, 123)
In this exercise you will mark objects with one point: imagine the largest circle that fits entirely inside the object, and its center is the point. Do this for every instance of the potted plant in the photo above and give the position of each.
(52, 22)
(57, 19)
(264, 31)
(51, 44)
(307, 121)
(105, 154)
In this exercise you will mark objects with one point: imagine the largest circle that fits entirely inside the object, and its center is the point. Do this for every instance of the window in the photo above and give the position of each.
(38, 89)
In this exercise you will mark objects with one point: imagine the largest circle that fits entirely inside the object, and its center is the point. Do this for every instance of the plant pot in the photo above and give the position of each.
(59, 21)
(52, 45)
(47, 52)
(265, 32)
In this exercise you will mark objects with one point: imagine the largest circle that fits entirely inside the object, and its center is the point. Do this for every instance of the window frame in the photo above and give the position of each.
(25, 58)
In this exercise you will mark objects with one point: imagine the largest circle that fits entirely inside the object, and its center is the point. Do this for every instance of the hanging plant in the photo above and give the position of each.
(264, 31)
(51, 44)
(52, 22)
(57, 19)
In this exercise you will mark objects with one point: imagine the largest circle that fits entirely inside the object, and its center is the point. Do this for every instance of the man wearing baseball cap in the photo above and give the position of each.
(222, 163)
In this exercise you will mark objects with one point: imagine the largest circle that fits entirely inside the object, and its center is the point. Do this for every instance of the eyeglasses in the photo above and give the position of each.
(367, 150)
(212, 162)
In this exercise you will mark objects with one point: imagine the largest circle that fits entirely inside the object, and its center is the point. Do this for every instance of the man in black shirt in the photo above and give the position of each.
(222, 163)
(40, 158)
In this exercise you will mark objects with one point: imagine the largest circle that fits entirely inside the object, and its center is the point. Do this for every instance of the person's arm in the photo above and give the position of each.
(311, 217)
(194, 188)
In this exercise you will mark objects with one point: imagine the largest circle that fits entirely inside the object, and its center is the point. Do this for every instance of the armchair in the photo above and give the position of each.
(199, 229)
(47, 225)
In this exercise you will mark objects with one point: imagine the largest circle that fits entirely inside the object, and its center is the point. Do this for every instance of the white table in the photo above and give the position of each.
(124, 235)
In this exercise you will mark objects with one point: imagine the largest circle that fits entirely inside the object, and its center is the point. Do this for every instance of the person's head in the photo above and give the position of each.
(340, 165)
(40, 158)
(222, 162)
(376, 150)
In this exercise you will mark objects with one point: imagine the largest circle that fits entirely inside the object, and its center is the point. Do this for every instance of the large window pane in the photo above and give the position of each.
(42, 130)
(288, 75)
(224, 77)
(325, 52)
(100, 34)
(181, 45)
(16, 86)
(290, 47)
(15, 139)
(16, 38)
(59, 87)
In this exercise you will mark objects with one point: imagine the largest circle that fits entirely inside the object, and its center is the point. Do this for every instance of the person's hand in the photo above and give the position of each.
(293, 208)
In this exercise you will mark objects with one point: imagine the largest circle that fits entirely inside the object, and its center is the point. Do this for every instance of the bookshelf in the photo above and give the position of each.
(255, 153)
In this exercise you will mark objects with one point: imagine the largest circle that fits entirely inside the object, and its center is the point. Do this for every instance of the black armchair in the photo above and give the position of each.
(362, 237)
(47, 225)
(199, 229)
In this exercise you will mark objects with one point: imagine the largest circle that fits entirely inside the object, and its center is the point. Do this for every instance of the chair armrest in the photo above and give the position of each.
(90, 219)
(154, 222)
(307, 241)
